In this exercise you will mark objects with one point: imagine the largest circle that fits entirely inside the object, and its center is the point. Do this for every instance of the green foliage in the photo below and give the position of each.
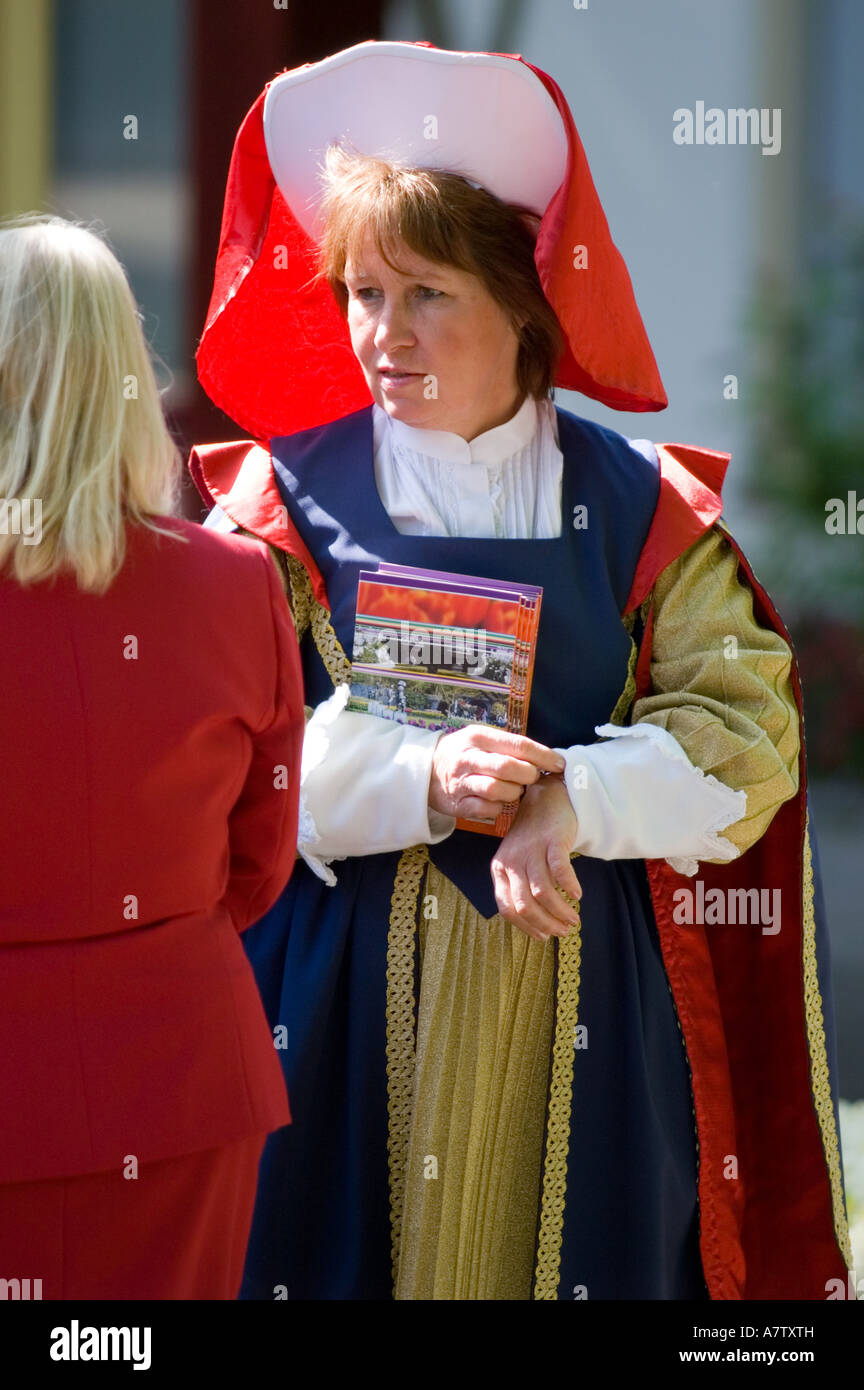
(809, 412)
(808, 418)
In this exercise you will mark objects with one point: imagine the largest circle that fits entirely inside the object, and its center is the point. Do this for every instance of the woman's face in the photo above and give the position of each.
(437, 351)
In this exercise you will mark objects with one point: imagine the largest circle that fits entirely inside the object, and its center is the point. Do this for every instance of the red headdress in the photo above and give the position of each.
(275, 354)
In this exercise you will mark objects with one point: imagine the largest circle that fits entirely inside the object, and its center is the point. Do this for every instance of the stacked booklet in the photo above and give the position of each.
(444, 650)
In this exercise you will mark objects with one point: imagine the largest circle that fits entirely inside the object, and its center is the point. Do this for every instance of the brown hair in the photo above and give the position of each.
(441, 216)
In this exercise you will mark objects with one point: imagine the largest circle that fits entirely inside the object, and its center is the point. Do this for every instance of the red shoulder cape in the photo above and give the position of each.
(772, 1213)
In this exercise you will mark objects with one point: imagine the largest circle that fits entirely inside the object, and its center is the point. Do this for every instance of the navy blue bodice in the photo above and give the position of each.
(327, 480)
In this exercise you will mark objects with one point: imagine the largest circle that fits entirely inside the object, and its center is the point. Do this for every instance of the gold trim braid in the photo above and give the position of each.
(554, 1187)
(819, 1076)
(309, 613)
(400, 1030)
(301, 598)
(329, 647)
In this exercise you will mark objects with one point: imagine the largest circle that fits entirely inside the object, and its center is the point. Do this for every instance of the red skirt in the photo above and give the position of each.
(176, 1231)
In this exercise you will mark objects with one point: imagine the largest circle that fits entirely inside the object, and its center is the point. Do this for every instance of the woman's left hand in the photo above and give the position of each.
(533, 862)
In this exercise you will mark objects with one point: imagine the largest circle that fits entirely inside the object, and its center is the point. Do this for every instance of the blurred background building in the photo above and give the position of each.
(748, 267)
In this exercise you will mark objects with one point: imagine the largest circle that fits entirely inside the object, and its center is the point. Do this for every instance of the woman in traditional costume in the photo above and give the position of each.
(512, 1076)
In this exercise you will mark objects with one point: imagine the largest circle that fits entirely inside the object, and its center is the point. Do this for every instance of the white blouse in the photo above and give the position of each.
(365, 780)
(505, 483)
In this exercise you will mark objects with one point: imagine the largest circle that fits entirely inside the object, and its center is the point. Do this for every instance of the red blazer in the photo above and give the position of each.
(150, 753)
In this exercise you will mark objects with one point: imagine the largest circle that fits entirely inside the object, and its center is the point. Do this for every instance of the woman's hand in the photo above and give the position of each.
(476, 771)
(533, 862)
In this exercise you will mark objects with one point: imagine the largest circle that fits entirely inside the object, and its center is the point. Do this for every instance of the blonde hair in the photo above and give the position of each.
(82, 435)
(443, 217)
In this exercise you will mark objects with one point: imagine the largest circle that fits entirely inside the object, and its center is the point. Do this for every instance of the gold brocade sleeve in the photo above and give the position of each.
(722, 683)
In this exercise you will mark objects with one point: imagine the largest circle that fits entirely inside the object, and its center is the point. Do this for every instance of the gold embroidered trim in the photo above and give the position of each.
(554, 1186)
(302, 600)
(309, 613)
(819, 1077)
(329, 647)
(400, 1030)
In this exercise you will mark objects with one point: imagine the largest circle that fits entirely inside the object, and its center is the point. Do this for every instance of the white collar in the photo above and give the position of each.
(493, 446)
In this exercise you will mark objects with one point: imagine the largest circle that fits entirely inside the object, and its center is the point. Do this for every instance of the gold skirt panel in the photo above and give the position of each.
(475, 1149)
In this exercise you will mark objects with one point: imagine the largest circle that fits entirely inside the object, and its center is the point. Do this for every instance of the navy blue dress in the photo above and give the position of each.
(322, 1221)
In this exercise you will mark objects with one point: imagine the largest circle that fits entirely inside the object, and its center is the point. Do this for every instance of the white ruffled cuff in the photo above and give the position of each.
(316, 741)
(639, 797)
(364, 786)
